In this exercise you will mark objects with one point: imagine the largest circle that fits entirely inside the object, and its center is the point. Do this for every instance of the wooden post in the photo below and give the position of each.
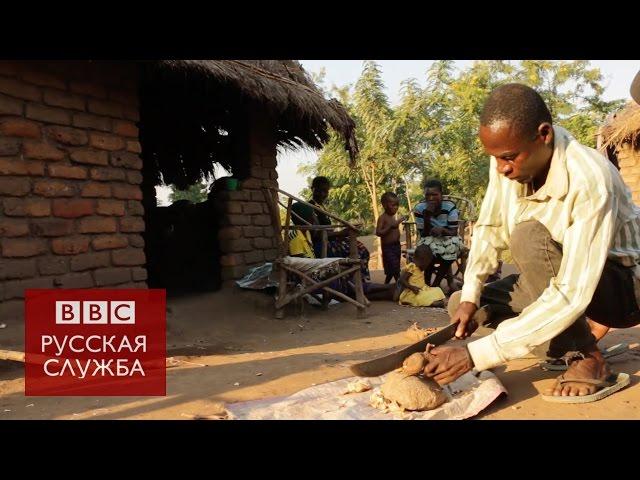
(353, 238)
(282, 273)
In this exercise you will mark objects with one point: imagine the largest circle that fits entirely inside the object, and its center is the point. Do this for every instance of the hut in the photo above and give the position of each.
(621, 141)
(84, 144)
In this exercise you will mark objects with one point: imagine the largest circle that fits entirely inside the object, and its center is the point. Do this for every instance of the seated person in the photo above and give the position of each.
(300, 243)
(411, 288)
(439, 220)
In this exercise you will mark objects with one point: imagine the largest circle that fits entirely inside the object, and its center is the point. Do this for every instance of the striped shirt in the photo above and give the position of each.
(588, 209)
(447, 217)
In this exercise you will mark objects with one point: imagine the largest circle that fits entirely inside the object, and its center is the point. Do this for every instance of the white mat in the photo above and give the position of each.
(468, 395)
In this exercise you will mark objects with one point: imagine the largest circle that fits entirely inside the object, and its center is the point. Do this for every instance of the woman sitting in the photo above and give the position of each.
(437, 221)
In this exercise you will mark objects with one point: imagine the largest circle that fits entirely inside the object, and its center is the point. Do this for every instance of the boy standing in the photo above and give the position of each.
(388, 229)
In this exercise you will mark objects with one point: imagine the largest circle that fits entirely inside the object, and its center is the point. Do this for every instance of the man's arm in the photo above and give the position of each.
(490, 237)
(585, 248)
(384, 226)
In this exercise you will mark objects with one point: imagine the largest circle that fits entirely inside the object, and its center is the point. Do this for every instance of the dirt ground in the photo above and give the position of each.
(229, 348)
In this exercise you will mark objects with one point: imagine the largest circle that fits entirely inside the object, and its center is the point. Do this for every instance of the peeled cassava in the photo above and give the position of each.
(412, 392)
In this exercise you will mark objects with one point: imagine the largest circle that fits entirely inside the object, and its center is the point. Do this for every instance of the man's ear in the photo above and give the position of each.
(545, 130)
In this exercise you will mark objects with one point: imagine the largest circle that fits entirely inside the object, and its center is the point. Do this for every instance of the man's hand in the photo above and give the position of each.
(437, 231)
(464, 315)
(445, 364)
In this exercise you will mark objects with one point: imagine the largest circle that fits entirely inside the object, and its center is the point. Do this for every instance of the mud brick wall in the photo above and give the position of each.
(629, 161)
(70, 210)
(247, 236)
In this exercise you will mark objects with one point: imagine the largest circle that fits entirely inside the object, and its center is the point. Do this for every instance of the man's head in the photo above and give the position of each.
(422, 257)
(320, 187)
(390, 203)
(433, 191)
(516, 128)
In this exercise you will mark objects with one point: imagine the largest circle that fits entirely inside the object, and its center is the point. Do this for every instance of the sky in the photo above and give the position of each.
(617, 74)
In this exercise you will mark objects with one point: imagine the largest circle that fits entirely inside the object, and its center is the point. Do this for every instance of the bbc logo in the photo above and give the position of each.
(91, 312)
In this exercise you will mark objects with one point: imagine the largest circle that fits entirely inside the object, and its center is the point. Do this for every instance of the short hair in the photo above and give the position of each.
(423, 251)
(433, 183)
(388, 196)
(519, 105)
(318, 181)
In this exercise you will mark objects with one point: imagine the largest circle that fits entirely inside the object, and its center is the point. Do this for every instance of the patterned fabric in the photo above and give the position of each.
(445, 248)
(300, 244)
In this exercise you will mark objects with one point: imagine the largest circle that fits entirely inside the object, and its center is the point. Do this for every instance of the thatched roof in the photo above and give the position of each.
(623, 128)
(195, 96)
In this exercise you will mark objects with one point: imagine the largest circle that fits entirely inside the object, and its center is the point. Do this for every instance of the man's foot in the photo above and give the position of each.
(592, 366)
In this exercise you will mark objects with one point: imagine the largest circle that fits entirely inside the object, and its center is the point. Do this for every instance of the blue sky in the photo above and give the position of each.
(618, 75)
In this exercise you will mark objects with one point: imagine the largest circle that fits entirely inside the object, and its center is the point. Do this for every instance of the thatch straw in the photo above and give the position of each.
(624, 128)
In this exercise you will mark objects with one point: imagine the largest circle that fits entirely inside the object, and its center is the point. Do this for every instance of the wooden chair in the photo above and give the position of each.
(293, 284)
(466, 217)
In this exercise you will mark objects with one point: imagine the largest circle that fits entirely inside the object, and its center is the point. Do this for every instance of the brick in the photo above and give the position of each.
(16, 166)
(65, 171)
(230, 233)
(273, 174)
(70, 245)
(12, 310)
(257, 196)
(68, 135)
(23, 247)
(231, 273)
(107, 174)
(73, 208)
(42, 151)
(139, 273)
(132, 285)
(96, 190)
(131, 113)
(52, 227)
(252, 231)
(11, 227)
(14, 187)
(233, 207)
(109, 242)
(97, 225)
(254, 256)
(86, 120)
(88, 88)
(126, 97)
(108, 108)
(19, 127)
(261, 220)
(127, 192)
(9, 146)
(232, 260)
(270, 255)
(106, 142)
(10, 106)
(8, 68)
(52, 265)
(270, 183)
(250, 183)
(134, 178)
(88, 261)
(27, 207)
(110, 207)
(259, 172)
(93, 157)
(269, 232)
(133, 146)
(23, 268)
(234, 246)
(18, 89)
(75, 280)
(136, 241)
(112, 276)
(58, 98)
(236, 195)
(44, 79)
(135, 207)
(269, 162)
(262, 243)
(125, 129)
(54, 188)
(128, 257)
(251, 208)
(238, 220)
(126, 160)
(131, 224)
(48, 114)
(16, 288)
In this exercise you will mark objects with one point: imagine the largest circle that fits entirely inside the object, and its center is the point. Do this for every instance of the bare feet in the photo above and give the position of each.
(593, 366)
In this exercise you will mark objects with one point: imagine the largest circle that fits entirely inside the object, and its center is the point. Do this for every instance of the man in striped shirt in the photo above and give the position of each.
(574, 233)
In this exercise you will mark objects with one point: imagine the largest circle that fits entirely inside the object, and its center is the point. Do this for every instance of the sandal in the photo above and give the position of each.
(613, 383)
(560, 364)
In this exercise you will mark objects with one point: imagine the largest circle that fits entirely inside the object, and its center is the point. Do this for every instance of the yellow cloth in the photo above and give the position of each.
(426, 296)
(300, 244)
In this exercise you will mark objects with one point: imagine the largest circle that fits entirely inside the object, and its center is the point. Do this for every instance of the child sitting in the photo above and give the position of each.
(411, 288)
(388, 229)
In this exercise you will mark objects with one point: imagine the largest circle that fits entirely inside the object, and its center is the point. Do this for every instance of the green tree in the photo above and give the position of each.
(196, 193)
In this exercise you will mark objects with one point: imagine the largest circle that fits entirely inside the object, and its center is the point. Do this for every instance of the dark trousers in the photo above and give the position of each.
(538, 258)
